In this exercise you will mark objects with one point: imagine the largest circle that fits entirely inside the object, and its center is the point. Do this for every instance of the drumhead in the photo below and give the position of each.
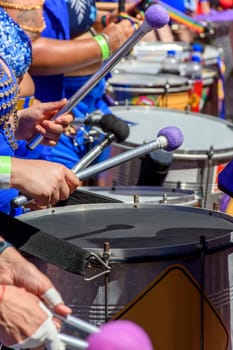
(132, 66)
(160, 83)
(202, 133)
(148, 231)
(144, 194)
(157, 51)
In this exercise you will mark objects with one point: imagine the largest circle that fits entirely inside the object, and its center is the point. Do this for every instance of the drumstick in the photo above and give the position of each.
(114, 335)
(169, 138)
(155, 17)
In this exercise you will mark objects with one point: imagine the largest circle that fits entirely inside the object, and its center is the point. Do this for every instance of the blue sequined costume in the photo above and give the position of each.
(15, 48)
(15, 45)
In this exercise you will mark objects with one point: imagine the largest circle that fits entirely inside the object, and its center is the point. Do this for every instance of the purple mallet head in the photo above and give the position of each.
(120, 335)
(156, 16)
(174, 137)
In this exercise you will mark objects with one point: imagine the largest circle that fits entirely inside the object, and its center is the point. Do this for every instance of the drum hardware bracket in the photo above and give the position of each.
(101, 262)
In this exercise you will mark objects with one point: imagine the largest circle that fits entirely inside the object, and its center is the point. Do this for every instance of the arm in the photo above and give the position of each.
(63, 56)
(23, 290)
(46, 182)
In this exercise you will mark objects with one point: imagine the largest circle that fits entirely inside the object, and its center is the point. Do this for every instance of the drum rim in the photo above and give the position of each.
(184, 196)
(142, 254)
(221, 154)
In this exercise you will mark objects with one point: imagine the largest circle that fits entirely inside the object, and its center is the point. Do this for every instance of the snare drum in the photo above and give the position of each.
(162, 90)
(208, 145)
(144, 194)
(171, 269)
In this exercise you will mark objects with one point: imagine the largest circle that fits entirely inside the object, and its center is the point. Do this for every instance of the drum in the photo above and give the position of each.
(162, 90)
(143, 194)
(133, 66)
(207, 147)
(157, 51)
(209, 99)
(171, 269)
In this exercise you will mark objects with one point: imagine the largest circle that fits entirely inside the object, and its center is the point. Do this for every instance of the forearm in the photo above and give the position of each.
(62, 56)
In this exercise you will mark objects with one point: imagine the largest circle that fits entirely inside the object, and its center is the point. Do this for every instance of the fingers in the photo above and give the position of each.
(53, 300)
(51, 107)
(52, 129)
(46, 335)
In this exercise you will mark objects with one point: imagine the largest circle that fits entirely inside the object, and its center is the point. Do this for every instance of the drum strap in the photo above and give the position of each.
(42, 245)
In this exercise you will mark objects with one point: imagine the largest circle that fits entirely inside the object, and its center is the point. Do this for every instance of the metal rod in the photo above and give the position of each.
(73, 342)
(78, 323)
(160, 142)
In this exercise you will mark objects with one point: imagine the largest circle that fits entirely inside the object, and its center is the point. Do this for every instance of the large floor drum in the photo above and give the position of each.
(207, 147)
(182, 254)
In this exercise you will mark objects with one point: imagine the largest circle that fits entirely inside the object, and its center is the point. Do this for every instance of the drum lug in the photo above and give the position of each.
(102, 263)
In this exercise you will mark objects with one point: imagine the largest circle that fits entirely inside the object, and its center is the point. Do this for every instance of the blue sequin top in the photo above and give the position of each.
(15, 45)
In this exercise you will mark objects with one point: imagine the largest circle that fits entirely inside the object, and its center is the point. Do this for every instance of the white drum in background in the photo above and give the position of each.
(133, 66)
(145, 194)
(207, 147)
(162, 90)
(156, 52)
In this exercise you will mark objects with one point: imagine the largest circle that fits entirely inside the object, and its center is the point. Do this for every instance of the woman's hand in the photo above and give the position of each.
(35, 119)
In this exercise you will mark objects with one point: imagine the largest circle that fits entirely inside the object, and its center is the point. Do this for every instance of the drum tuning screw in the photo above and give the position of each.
(106, 252)
(215, 206)
(135, 200)
(164, 200)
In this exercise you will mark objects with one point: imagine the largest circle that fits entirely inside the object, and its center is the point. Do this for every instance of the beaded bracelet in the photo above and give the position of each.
(103, 42)
(5, 171)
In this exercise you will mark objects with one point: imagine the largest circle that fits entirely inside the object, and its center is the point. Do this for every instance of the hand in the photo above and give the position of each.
(35, 119)
(15, 270)
(25, 322)
(44, 181)
(118, 33)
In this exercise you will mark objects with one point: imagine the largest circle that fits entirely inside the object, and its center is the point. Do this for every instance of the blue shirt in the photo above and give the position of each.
(50, 88)
(82, 15)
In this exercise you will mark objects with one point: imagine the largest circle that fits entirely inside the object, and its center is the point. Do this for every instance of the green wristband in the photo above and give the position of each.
(5, 171)
(102, 41)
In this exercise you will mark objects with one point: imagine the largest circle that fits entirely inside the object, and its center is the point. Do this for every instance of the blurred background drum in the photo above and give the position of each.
(127, 90)
(162, 90)
(207, 147)
(177, 254)
(157, 51)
